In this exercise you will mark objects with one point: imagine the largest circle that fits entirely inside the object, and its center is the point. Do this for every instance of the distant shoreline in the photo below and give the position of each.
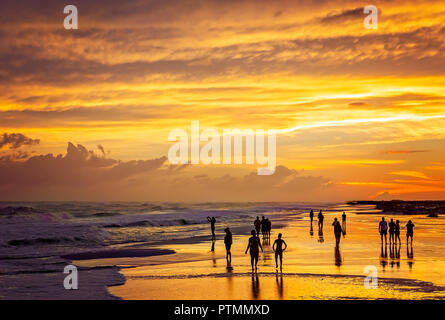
(431, 208)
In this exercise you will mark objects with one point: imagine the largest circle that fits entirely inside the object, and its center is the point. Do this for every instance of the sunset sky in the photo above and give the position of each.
(360, 113)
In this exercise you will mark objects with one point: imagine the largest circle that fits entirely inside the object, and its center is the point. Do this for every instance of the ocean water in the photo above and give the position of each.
(34, 236)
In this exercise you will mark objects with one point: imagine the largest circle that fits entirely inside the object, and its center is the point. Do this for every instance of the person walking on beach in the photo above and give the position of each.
(409, 231)
(257, 224)
(212, 226)
(392, 230)
(268, 227)
(254, 245)
(228, 243)
(337, 231)
(383, 227)
(311, 215)
(279, 250)
(320, 220)
(263, 227)
(397, 232)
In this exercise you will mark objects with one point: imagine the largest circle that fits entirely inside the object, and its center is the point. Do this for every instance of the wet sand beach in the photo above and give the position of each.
(313, 267)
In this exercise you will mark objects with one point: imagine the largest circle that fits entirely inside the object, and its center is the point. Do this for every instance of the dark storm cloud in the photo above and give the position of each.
(16, 140)
(345, 15)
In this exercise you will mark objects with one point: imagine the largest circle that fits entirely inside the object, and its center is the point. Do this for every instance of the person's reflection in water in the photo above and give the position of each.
(338, 260)
(320, 236)
(279, 281)
(392, 249)
(410, 256)
(383, 257)
(255, 286)
(398, 255)
(311, 232)
(212, 249)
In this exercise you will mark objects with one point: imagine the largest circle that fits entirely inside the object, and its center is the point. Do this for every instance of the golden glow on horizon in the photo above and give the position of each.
(344, 100)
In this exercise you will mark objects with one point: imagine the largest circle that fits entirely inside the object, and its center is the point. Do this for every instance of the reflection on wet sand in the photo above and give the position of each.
(394, 254)
(320, 236)
(279, 281)
(255, 286)
(410, 256)
(383, 256)
(311, 232)
(212, 249)
(338, 259)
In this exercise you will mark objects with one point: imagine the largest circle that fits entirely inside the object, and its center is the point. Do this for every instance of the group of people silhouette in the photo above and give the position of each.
(264, 225)
(254, 243)
(393, 228)
(339, 229)
(279, 246)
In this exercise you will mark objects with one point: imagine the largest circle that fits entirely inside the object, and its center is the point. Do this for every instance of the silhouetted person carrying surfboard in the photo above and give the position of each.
(254, 245)
(278, 248)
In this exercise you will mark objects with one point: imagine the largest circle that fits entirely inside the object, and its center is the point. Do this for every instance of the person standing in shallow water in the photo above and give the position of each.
(263, 226)
(383, 227)
(392, 230)
(257, 224)
(337, 231)
(212, 225)
(409, 231)
(228, 243)
(268, 228)
(320, 220)
(311, 215)
(254, 245)
(397, 232)
(279, 250)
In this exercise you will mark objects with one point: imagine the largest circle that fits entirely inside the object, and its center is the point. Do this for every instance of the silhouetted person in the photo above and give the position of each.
(228, 243)
(254, 245)
(268, 227)
(383, 229)
(397, 232)
(392, 230)
(278, 248)
(212, 225)
(409, 231)
(320, 220)
(343, 223)
(263, 227)
(337, 231)
(257, 224)
(311, 215)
